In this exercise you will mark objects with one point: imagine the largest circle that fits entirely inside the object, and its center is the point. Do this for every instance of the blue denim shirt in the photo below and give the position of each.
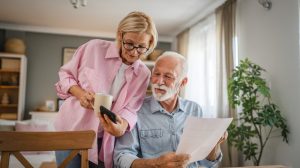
(157, 132)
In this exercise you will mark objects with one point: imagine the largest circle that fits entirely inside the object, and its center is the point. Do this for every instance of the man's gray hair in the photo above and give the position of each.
(184, 67)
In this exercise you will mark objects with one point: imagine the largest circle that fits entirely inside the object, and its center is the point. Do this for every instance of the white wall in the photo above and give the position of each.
(271, 39)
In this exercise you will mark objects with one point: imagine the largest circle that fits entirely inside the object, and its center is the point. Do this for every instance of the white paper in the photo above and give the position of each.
(200, 135)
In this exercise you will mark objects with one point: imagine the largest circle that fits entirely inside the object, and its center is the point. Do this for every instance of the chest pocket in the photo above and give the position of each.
(152, 142)
(89, 80)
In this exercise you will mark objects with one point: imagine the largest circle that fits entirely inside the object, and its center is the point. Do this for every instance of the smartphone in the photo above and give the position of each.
(108, 113)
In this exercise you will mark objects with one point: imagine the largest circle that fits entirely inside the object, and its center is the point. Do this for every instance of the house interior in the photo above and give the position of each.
(267, 33)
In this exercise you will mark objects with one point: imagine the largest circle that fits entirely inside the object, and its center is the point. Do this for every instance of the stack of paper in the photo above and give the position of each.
(200, 135)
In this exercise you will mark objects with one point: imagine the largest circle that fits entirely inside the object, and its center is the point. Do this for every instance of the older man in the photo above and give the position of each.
(154, 140)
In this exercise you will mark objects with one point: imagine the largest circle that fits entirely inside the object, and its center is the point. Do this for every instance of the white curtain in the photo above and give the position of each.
(202, 63)
(210, 57)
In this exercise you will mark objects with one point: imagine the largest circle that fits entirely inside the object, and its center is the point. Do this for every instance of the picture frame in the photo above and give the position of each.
(59, 103)
(68, 53)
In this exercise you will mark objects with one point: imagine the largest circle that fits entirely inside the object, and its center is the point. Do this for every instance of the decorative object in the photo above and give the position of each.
(14, 45)
(259, 117)
(155, 54)
(50, 105)
(5, 99)
(144, 57)
(5, 79)
(76, 3)
(68, 53)
(59, 103)
(267, 4)
(14, 79)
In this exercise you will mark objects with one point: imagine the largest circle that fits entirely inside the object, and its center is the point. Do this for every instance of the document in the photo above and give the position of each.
(200, 135)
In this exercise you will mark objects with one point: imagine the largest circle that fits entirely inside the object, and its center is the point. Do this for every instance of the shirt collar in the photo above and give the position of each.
(135, 66)
(180, 104)
(156, 107)
(113, 52)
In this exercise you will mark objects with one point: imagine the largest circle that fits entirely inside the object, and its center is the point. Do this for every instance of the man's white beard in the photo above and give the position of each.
(169, 92)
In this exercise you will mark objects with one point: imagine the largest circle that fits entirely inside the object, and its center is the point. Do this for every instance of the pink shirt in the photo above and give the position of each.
(93, 68)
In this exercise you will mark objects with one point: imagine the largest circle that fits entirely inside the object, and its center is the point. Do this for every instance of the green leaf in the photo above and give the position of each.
(249, 91)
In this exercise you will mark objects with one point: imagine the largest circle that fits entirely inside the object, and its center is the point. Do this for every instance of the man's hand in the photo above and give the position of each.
(117, 129)
(168, 160)
(172, 160)
(217, 150)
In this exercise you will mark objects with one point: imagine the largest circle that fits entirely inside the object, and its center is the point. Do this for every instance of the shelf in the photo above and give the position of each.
(11, 55)
(13, 69)
(10, 70)
(8, 87)
(8, 105)
(8, 116)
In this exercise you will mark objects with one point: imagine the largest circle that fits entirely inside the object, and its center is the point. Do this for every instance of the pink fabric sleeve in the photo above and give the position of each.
(68, 74)
(129, 112)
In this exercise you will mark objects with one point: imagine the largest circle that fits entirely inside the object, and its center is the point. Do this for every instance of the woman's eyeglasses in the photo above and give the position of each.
(139, 49)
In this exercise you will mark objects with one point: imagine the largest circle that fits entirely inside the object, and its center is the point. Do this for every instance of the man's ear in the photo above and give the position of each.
(183, 82)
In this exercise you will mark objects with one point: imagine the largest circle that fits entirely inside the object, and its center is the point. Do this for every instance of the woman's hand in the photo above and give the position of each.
(117, 129)
(86, 98)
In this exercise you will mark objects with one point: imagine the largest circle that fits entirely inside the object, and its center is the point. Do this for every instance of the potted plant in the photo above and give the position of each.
(259, 116)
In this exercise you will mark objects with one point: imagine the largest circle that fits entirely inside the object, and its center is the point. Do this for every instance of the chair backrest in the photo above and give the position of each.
(14, 142)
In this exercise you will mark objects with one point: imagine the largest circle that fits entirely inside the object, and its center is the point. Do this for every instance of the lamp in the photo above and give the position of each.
(76, 3)
(266, 3)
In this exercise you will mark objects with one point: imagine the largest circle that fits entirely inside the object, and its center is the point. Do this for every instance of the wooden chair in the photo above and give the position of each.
(14, 142)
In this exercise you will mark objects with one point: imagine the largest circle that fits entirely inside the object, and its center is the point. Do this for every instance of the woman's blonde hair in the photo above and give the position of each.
(137, 22)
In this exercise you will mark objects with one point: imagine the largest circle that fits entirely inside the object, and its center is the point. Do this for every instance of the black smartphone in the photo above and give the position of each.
(108, 113)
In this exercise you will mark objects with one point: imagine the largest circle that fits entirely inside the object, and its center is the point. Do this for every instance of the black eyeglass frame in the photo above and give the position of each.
(130, 47)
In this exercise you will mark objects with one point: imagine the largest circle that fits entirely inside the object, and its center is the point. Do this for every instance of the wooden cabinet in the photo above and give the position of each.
(12, 86)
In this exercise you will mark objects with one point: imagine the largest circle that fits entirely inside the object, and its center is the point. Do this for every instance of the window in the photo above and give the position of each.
(202, 66)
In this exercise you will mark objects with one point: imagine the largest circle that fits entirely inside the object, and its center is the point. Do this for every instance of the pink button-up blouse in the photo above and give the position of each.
(93, 68)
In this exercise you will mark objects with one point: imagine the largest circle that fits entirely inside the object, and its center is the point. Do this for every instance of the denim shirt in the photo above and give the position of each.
(157, 132)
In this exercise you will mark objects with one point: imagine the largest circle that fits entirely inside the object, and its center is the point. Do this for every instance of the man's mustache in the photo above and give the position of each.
(162, 87)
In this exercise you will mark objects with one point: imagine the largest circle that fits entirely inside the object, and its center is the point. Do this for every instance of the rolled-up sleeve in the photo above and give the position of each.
(68, 74)
(207, 163)
(129, 112)
(126, 149)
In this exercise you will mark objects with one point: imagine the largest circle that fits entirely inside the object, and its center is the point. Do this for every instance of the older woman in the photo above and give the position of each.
(116, 69)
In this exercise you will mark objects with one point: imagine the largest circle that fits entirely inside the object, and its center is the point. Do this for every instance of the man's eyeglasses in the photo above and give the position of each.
(139, 49)
(166, 77)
